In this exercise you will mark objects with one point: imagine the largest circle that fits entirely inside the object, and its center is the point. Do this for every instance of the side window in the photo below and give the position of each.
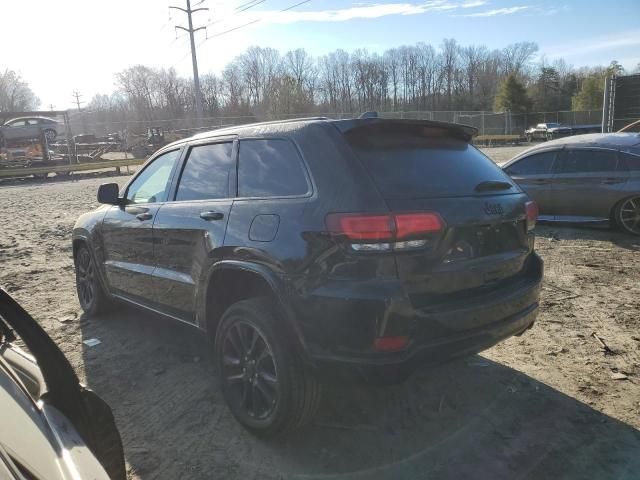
(206, 172)
(536, 164)
(270, 168)
(18, 123)
(588, 161)
(629, 162)
(152, 184)
(33, 121)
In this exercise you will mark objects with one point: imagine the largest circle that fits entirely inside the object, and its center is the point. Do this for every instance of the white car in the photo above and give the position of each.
(51, 427)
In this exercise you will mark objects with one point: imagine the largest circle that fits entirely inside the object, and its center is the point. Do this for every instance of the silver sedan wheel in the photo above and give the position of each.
(629, 215)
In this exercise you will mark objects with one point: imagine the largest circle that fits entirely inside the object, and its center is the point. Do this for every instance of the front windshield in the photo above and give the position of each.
(315, 271)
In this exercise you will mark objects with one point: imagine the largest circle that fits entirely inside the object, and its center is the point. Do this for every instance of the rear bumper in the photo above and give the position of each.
(437, 334)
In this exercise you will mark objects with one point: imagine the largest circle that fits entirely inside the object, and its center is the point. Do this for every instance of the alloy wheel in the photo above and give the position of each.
(249, 370)
(630, 215)
(85, 277)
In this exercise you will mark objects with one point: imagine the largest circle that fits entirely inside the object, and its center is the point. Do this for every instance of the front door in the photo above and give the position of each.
(533, 175)
(189, 231)
(128, 230)
(586, 183)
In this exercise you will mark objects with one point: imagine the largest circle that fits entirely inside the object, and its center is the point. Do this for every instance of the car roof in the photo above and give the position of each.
(625, 142)
(30, 118)
(288, 126)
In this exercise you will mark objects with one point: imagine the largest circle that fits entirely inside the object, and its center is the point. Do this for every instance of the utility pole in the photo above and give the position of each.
(77, 96)
(51, 107)
(194, 60)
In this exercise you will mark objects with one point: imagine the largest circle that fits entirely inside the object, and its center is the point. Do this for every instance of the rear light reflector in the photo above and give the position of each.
(412, 224)
(361, 227)
(532, 214)
(390, 344)
(379, 232)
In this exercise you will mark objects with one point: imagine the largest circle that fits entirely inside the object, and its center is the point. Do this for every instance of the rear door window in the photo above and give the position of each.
(587, 161)
(270, 168)
(205, 175)
(418, 162)
(536, 164)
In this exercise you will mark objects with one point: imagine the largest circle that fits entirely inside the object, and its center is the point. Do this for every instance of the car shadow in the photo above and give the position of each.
(474, 418)
(602, 232)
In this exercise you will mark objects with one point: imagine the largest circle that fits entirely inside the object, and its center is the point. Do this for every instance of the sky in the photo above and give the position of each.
(78, 45)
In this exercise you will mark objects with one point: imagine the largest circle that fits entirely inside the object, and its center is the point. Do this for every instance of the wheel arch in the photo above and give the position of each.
(231, 281)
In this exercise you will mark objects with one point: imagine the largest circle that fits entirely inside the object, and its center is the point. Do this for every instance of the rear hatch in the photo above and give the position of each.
(482, 242)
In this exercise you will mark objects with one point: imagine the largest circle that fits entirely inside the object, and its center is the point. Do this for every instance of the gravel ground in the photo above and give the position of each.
(544, 405)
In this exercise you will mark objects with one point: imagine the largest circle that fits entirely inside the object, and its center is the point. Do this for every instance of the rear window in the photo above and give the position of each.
(423, 164)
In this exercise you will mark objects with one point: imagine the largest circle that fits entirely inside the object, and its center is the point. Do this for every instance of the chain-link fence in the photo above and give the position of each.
(487, 123)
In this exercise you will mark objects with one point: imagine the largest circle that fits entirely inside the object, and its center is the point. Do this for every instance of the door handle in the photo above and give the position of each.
(611, 181)
(144, 216)
(539, 181)
(211, 215)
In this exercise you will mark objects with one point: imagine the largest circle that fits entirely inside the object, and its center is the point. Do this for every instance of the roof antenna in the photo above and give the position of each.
(369, 115)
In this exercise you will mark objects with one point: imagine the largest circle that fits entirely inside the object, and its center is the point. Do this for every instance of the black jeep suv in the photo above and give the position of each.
(365, 245)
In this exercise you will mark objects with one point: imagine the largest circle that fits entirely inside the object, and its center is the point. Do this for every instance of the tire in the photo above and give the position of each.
(265, 384)
(91, 295)
(626, 215)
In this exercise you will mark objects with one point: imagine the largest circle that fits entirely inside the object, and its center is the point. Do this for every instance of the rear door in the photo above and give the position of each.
(534, 173)
(483, 242)
(127, 230)
(189, 230)
(586, 183)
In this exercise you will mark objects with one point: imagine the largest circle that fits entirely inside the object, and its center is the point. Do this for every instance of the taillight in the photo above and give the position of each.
(532, 214)
(390, 344)
(383, 232)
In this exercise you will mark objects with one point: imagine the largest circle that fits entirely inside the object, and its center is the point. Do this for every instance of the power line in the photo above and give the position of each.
(196, 80)
(252, 22)
(248, 5)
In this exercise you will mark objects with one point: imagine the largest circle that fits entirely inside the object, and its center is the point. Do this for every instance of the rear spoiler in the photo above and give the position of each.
(467, 132)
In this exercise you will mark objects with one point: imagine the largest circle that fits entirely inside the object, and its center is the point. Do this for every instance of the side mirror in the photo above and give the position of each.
(108, 194)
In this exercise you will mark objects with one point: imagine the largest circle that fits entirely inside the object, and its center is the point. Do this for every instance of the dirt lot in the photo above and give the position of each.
(544, 405)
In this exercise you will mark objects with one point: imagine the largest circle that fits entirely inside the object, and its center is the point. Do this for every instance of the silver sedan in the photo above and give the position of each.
(585, 178)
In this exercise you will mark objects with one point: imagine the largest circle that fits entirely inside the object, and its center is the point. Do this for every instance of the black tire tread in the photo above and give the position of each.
(102, 303)
(306, 390)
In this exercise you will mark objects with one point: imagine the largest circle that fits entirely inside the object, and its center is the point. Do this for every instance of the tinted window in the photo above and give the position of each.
(629, 162)
(585, 161)
(206, 173)
(420, 163)
(18, 123)
(537, 164)
(270, 168)
(152, 184)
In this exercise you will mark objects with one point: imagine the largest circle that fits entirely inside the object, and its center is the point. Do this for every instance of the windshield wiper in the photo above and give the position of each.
(492, 185)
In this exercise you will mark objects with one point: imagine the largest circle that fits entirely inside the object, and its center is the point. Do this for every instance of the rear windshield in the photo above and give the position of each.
(424, 164)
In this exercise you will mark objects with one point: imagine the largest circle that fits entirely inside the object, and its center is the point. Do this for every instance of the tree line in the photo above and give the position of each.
(263, 83)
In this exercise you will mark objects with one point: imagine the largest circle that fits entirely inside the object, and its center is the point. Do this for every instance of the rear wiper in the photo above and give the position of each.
(492, 185)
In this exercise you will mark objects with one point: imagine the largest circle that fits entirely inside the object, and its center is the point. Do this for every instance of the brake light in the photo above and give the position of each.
(532, 214)
(390, 344)
(412, 224)
(380, 232)
(361, 227)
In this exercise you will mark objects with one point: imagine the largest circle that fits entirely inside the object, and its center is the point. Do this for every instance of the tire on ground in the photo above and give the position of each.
(618, 215)
(299, 390)
(99, 301)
